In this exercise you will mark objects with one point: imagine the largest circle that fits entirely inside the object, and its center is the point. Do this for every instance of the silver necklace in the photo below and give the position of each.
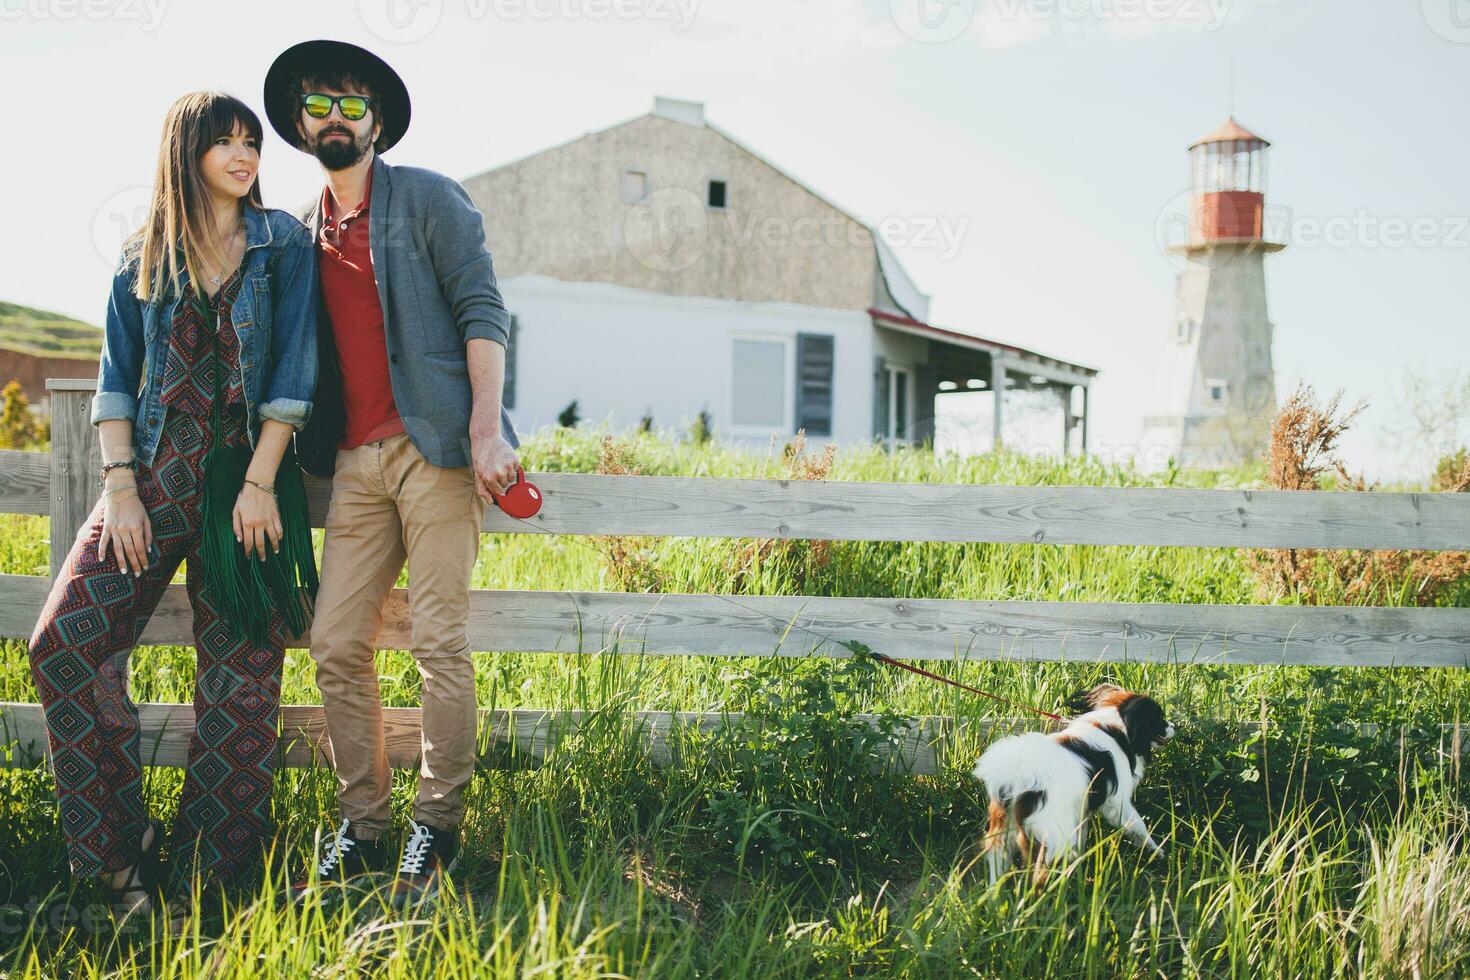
(216, 280)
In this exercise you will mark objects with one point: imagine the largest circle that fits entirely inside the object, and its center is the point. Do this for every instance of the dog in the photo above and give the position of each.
(1043, 787)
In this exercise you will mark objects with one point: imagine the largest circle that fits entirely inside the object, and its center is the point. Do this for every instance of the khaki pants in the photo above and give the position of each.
(388, 504)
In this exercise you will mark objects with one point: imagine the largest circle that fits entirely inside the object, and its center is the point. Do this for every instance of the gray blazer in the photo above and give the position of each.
(436, 284)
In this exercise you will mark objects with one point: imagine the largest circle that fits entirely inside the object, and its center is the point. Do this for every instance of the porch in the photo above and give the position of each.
(904, 399)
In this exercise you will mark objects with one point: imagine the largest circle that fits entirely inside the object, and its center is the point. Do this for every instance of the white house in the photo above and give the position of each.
(658, 267)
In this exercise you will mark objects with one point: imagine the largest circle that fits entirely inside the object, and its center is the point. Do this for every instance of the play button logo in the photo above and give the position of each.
(400, 21)
(1450, 19)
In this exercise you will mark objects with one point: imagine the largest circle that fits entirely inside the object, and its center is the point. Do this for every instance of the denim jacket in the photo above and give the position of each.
(274, 318)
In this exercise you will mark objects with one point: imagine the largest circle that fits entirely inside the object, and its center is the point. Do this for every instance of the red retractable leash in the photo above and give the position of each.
(522, 499)
(864, 651)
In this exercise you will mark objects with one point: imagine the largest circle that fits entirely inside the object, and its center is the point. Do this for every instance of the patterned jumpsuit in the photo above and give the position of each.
(94, 616)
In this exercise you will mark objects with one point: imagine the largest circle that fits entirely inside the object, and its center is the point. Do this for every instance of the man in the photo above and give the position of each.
(409, 426)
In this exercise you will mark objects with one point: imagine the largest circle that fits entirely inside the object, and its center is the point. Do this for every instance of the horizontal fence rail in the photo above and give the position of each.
(914, 629)
(62, 484)
(523, 737)
(839, 510)
(525, 734)
(25, 482)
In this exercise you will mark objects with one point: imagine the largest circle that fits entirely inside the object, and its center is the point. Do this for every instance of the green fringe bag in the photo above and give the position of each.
(245, 589)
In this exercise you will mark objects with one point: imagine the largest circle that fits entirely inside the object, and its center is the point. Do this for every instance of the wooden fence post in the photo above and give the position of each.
(76, 455)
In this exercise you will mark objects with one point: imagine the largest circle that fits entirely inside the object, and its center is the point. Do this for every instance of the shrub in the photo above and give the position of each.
(703, 428)
(19, 427)
(1452, 472)
(1303, 450)
(632, 561)
(790, 561)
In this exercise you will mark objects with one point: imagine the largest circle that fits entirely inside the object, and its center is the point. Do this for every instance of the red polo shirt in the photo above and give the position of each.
(351, 293)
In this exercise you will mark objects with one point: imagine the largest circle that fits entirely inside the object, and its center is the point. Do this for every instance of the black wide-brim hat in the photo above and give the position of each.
(282, 103)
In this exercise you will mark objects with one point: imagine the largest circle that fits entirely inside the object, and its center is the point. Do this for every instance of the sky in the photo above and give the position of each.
(1021, 156)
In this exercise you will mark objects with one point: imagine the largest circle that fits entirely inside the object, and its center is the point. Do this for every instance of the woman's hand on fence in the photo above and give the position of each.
(257, 521)
(125, 527)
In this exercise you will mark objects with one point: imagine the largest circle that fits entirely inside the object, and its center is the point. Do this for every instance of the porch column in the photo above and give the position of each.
(1085, 389)
(926, 385)
(1067, 419)
(998, 387)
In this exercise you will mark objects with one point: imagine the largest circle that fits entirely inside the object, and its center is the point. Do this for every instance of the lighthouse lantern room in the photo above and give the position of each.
(1227, 183)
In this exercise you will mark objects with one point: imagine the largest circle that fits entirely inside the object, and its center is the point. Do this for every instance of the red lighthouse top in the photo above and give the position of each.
(1227, 188)
(1230, 131)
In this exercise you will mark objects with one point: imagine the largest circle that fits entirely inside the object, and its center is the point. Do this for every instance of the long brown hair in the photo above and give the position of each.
(180, 221)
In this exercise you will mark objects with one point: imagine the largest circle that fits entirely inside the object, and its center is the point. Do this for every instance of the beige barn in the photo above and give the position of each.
(659, 267)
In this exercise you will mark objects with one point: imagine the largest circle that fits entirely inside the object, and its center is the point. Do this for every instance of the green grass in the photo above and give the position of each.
(776, 849)
(47, 334)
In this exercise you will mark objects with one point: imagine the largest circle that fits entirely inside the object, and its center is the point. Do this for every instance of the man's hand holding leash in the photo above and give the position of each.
(492, 456)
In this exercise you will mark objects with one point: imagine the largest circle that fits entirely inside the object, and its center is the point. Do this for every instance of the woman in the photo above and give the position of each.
(208, 252)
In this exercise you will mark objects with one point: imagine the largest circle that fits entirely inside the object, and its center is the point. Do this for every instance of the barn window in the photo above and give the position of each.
(758, 369)
(717, 193)
(635, 186)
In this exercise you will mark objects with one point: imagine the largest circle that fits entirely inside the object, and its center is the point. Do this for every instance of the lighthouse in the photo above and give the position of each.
(1215, 385)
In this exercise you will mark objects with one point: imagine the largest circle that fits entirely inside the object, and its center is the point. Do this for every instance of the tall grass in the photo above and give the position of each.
(780, 846)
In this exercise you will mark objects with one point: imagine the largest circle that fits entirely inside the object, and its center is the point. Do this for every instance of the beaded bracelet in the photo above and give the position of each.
(131, 463)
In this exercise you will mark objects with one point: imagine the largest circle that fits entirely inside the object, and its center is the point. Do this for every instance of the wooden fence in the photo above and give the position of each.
(62, 484)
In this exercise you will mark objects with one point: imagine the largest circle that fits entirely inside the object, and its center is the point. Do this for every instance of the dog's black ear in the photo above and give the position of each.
(1144, 722)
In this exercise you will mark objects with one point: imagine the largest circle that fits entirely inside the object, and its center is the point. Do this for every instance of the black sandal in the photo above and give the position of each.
(141, 881)
(177, 910)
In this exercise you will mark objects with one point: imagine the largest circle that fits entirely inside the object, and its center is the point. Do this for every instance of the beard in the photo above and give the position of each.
(338, 154)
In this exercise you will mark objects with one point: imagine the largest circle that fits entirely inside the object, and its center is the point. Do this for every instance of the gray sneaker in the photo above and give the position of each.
(344, 859)
(429, 855)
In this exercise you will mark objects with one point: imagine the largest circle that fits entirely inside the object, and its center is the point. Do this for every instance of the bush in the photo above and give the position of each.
(703, 428)
(1304, 451)
(1452, 472)
(19, 427)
